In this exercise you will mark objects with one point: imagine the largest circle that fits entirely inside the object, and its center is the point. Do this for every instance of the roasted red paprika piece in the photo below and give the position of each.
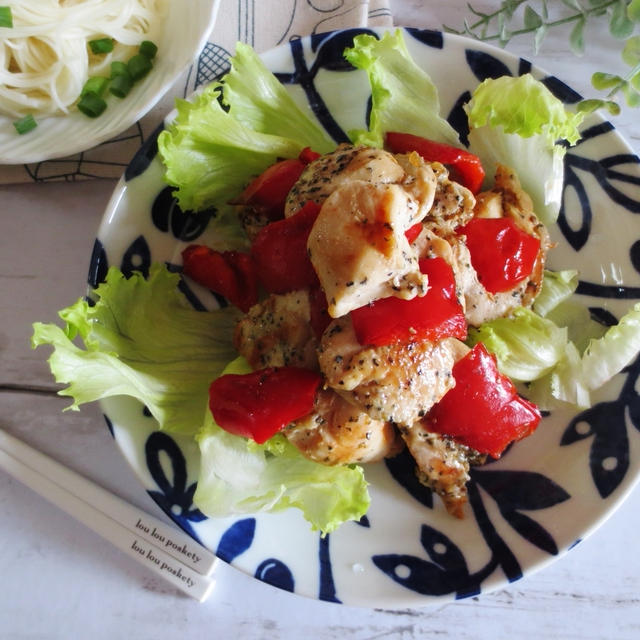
(258, 405)
(502, 254)
(308, 155)
(483, 410)
(268, 192)
(434, 316)
(413, 232)
(280, 255)
(464, 167)
(229, 273)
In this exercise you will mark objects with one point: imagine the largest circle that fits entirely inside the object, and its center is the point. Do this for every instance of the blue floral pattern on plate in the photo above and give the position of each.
(532, 505)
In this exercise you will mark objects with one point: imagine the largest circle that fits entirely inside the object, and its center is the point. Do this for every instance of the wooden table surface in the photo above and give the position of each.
(59, 580)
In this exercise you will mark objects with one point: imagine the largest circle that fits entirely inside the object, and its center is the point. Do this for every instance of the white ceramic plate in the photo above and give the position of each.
(544, 495)
(183, 35)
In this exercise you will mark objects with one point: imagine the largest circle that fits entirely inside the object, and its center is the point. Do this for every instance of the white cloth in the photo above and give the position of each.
(261, 23)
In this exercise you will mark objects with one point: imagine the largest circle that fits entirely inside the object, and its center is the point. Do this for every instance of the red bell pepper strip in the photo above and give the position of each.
(483, 410)
(280, 255)
(229, 273)
(308, 155)
(268, 192)
(413, 232)
(502, 254)
(434, 316)
(258, 405)
(464, 167)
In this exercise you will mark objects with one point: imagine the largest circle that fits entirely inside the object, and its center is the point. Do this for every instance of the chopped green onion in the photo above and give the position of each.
(91, 105)
(103, 45)
(121, 85)
(139, 66)
(119, 69)
(26, 124)
(148, 49)
(95, 84)
(6, 17)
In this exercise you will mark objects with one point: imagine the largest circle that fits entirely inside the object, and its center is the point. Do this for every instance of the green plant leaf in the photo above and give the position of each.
(590, 105)
(633, 10)
(593, 104)
(532, 19)
(619, 25)
(540, 34)
(631, 51)
(509, 7)
(635, 81)
(576, 38)
(631, 95)
(573, 4)
(603, 81)
(503, 30)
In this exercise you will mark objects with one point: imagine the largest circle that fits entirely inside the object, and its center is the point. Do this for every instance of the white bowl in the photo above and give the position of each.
(184, 33)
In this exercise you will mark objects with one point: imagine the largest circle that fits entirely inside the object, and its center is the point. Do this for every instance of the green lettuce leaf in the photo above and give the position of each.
(526, 345)
(239, 476)
(142, 339)
(606, 356)
(518, 122)
(575, 376)
(557, 286)
(576, 317)
(233, 131)
(259, 101)
(403, 97)
(210, 156)
(565, 384)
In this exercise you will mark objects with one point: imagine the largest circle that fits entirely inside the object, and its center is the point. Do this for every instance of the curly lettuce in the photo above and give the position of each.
(142, 339)
(518, 122)
(403, 96)
(231, 132)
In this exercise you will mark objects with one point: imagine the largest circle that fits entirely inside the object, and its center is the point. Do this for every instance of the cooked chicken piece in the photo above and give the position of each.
(479, 304)
(398, 383)
(505, 199)
(420, 181)
(276, 333)
(453, 204)
(358, 248)
(518, 206)
(442, 465)
(337, 432)
(324, 175)
(252, 220)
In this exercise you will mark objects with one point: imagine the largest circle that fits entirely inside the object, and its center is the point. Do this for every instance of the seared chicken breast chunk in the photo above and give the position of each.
(276, 333)
(346, 164)
(358, 246)
(398, 383)
(337, 432)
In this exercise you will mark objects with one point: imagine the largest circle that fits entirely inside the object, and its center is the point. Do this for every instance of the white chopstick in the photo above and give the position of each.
(165, 550)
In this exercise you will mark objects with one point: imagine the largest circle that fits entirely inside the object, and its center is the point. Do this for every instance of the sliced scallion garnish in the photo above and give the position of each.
(148, 49)
(119, 68)
(6, 17)
(101, 45)
(95, 84)
(139, 66)
(26, 124)
(91, 105)
(120, 85)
